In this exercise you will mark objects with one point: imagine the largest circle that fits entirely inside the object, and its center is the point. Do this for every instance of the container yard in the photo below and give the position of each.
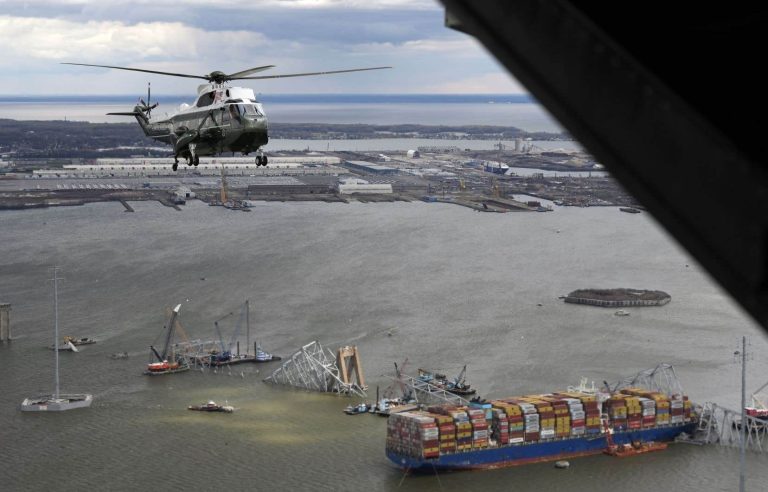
(534, 428)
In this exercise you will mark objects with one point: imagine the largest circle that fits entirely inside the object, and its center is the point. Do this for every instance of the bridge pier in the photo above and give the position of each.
(5, 322)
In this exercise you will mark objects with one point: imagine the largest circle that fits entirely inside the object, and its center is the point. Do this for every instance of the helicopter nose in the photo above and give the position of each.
(257, 123)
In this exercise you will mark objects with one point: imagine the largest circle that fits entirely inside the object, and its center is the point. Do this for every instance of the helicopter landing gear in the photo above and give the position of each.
(175, 166)
(261, 159)
(194, 159)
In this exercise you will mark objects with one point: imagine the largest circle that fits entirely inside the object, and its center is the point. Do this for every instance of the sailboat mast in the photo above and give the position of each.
(56, 326)
(247, 327)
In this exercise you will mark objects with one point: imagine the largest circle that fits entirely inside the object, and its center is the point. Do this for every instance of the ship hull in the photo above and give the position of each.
(521, 454)
(50, 403)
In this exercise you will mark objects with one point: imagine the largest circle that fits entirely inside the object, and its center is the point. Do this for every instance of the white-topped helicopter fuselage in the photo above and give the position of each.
(222, 119)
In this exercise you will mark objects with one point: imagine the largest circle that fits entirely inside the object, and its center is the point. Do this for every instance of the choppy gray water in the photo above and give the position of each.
(451, 285)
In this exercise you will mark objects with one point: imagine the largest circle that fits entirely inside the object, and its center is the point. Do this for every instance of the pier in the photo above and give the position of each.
(5, 322)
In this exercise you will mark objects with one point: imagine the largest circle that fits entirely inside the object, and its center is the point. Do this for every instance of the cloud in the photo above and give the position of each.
(69, 5)
(298, 36)
(101, 41)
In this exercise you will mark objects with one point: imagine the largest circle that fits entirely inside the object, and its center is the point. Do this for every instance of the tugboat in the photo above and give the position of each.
(166, 363)
(357, 409)
(79, 341)
(212, 406)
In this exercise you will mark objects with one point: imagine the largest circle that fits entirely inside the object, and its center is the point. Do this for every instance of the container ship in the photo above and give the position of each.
(534, 428)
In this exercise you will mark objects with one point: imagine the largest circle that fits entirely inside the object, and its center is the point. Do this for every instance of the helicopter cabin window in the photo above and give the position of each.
(225, 118)
(206, 99)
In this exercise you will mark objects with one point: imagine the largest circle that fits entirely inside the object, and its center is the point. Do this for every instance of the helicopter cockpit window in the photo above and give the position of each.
(206, 99)
(249, 109)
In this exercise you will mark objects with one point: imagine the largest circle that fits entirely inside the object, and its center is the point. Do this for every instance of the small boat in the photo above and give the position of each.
(212, 406)
(357, 409)
(57, 402)
(71, 342)
(629, 210)
(65, 347)
(621, 312)
(79, 341)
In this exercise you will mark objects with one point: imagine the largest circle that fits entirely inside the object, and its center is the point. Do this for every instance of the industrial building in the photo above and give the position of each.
(369, 167)
(243, 166)
(354, 185)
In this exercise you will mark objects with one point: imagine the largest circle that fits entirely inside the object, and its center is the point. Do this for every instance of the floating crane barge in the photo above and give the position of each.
(166, 362)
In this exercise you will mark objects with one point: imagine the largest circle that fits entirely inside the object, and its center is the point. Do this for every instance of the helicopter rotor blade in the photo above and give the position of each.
(243, 73)
(204, 77)
(307, 74)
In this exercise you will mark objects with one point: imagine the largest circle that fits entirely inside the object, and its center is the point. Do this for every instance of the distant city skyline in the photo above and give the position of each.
(227, 35)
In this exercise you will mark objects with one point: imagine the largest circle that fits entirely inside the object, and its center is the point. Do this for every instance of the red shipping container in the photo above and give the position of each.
(531, 436)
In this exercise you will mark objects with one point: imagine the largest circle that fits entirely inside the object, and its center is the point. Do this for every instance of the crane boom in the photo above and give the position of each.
(169, 334)
(756, 401)
(224, 349)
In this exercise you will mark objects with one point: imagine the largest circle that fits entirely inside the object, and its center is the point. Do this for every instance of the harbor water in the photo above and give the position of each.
(437, 284)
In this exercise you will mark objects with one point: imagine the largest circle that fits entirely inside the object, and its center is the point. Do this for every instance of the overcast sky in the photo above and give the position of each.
(229, 35)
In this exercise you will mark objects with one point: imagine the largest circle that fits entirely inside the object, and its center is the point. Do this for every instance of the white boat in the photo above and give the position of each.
(57, 402)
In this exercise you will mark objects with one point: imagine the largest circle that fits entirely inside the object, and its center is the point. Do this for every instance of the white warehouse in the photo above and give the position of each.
(354, 185)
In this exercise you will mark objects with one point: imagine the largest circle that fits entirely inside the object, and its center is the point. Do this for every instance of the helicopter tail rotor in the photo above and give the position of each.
(146, 107)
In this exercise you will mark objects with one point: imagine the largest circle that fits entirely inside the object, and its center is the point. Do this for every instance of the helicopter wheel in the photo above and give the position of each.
(196, 160)
(264, 161)
(175, 166)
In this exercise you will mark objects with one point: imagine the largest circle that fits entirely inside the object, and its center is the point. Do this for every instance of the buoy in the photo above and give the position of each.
(562, 465)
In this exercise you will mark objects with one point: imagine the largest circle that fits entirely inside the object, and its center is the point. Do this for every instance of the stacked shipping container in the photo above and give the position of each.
(446, 429)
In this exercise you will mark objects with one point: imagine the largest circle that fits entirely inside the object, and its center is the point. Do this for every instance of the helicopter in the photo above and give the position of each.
(222, 119)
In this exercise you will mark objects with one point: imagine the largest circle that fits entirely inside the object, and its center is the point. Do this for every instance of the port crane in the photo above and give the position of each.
(221, 119)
